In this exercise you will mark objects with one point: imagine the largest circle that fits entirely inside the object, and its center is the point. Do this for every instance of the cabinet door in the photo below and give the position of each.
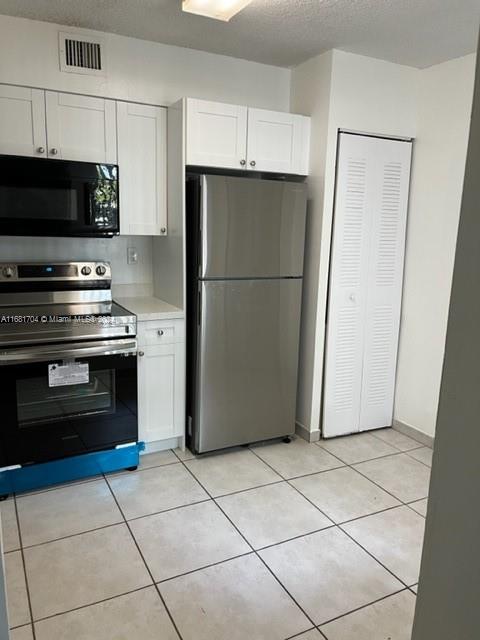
(142, 134)
(216, 134)
(22, 121)
(81, 128)
(278, 142)
(161, 392)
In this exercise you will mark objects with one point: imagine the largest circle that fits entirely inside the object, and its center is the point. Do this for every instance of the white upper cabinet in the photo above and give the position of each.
(278, 142)
(22, 121)
(142, 135)
(81, 128)
(216, 134)
(237, 137)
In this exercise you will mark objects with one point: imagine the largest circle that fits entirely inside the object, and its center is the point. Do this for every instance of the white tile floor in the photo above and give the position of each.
(278, 541)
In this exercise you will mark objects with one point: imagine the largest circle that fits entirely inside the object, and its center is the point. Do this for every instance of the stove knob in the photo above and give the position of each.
(101, 270)
(8, 272)
(86, 271)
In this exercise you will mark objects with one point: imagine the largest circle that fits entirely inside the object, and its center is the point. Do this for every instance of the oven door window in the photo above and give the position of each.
(41, 422)
(40, 404)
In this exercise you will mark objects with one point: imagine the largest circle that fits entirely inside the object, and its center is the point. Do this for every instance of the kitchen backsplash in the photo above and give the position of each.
(136, 277)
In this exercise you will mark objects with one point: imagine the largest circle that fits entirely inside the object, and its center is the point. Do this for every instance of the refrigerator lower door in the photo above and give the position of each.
(247, 360)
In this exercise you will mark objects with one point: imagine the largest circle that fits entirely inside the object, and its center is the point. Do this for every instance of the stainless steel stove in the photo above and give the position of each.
(68, 366)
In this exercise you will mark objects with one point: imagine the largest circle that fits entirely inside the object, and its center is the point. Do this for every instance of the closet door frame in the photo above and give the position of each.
(354, 421)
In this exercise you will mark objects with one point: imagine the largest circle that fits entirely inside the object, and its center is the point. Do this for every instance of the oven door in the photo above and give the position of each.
(59, 401)
(41, 197)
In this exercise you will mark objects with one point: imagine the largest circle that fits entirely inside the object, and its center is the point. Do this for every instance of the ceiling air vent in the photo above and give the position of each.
(81, 54)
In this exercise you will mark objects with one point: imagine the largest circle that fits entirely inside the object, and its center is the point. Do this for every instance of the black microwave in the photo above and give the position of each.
(41, 197)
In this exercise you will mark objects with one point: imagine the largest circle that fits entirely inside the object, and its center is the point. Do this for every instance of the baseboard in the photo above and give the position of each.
(161, 445)
(310, 436)
(414, 433)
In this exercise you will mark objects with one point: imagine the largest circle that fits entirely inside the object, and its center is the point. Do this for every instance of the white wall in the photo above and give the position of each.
(365, 95)
(433, 106)
(22, 249)
(311, 95)
(138, 70)
(444, 105)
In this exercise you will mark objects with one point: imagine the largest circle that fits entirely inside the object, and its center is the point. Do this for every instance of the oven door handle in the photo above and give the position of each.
(42, 353)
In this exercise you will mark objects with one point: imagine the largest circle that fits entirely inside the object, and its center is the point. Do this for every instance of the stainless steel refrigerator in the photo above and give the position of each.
(245, 245)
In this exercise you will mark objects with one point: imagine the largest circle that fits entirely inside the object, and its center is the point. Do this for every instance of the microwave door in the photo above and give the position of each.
(41, 197)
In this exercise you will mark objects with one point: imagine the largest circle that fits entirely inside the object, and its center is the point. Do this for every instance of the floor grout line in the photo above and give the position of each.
(139, 469)
(145, 562)
(348, 464)
(214, 500)
(251, 547)
(364, 606)
(91, 604)
(299, 635)
(27, 586)
(308, 500)
(341, 465)
(71, 535)
(353, 539)
(374, 513)
(96, 478)
(233, 493)
(405, 504)
(374, 557)
(301, 535)
(207, 566)
(374, 433)
(56, 487)
(413, 458)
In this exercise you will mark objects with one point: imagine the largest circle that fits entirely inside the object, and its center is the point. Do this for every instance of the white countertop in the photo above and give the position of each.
(149, 308)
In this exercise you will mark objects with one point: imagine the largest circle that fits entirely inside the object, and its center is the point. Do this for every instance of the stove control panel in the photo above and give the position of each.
(9, 272)
(58, 271)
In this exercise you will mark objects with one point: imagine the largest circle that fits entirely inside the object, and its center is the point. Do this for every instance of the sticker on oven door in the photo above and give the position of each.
(60, 375)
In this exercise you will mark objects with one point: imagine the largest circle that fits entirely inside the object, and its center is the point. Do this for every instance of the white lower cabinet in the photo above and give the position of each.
(161, 381)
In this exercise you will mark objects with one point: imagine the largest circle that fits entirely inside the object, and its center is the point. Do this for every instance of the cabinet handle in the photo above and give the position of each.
(163, 230)
(54, 151)
(41, 149)
(253, 163)
(141, 353)
(243, 162)
(160, 332)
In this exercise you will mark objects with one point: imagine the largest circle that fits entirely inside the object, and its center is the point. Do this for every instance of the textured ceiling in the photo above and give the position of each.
(418, 33)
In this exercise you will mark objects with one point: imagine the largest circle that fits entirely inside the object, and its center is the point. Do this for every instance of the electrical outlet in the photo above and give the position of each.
(132, 255)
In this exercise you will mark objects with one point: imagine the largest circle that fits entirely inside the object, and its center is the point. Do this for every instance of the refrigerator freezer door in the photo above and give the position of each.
(246, 361)
(251, 228)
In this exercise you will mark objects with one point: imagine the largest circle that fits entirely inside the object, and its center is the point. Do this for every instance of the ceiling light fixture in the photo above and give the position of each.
(217, 9)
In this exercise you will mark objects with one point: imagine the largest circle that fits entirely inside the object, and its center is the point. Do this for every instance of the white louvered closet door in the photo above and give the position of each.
(365, 283)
